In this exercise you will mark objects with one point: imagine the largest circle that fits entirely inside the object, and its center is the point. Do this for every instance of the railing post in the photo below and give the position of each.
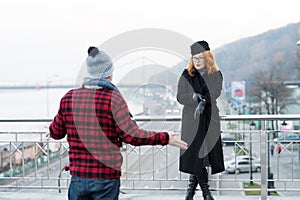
(263, 158)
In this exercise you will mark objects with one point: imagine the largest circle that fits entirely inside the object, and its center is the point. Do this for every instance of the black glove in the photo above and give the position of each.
(200, 108)
(197, 97)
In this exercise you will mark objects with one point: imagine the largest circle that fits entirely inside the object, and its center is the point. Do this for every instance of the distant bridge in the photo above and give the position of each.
(35, 87)
(63, 85)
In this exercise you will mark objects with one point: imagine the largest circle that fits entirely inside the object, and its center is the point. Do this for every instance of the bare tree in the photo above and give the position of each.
(269, 93)
(297, 62)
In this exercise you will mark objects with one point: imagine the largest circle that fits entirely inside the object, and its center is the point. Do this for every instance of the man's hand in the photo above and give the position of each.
(48, 133)
(173, 141)
(48, 136)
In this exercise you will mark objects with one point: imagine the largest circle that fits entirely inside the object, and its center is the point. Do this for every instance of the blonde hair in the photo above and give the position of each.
(209, 61)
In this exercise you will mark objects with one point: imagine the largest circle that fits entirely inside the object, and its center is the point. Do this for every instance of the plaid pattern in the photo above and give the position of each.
(95, 121)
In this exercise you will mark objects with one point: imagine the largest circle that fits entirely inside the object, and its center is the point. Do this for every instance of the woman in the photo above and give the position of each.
(201, 83)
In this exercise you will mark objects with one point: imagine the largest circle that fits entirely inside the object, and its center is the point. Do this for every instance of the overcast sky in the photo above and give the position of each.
(44, 38)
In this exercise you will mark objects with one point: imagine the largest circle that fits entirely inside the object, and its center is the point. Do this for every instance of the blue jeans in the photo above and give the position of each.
(93, 189)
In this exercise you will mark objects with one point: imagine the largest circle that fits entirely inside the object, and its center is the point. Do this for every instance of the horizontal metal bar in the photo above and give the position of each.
(26, 120)
(178, 118)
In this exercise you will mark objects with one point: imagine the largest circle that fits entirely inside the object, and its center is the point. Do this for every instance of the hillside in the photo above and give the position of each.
(238, 60)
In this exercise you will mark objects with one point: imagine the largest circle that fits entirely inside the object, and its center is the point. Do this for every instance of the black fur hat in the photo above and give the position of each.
(199, 47)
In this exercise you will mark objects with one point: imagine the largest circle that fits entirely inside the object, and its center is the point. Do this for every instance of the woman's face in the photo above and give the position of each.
(198, 61)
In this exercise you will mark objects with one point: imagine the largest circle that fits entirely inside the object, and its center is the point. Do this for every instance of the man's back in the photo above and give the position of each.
(86, 116)
(95, 118)
(94, 121)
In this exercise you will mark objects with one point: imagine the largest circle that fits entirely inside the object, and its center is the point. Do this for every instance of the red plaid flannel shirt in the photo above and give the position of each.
(95, 121)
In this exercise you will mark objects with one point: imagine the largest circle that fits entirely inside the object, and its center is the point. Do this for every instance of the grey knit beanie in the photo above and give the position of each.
(99, 64)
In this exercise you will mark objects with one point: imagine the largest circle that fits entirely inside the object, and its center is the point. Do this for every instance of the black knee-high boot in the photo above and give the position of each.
(193, 182)
(203, 182)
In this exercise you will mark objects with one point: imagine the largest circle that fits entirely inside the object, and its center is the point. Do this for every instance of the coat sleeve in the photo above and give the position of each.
(214, 87)
(217, 86)
(57, 127)
(185, 91)
(130, 132)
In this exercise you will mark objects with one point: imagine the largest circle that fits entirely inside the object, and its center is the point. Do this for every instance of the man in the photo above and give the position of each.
(96, 120)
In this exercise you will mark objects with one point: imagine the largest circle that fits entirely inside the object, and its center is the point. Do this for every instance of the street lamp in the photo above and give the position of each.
(284, 123)
(270, 175)
(244, 112)
(252, 124)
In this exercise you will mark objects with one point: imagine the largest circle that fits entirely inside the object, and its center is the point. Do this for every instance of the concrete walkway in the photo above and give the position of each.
(130, 195)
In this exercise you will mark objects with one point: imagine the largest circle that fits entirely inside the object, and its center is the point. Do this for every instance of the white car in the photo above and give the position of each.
(247, 157)
(241, 165)
(244, 157)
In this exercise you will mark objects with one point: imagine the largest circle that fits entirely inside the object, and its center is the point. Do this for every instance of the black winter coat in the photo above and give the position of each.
(203, 134)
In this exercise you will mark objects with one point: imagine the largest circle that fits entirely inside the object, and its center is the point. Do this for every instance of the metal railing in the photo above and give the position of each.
(29, 160)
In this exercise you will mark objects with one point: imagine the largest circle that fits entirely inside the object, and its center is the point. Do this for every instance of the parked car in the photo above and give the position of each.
(247, 157)
(242, 166)
(230, 141)
(243, 157)
(287, 138)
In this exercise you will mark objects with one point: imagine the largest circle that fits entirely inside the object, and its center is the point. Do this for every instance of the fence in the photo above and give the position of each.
(29, 160)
